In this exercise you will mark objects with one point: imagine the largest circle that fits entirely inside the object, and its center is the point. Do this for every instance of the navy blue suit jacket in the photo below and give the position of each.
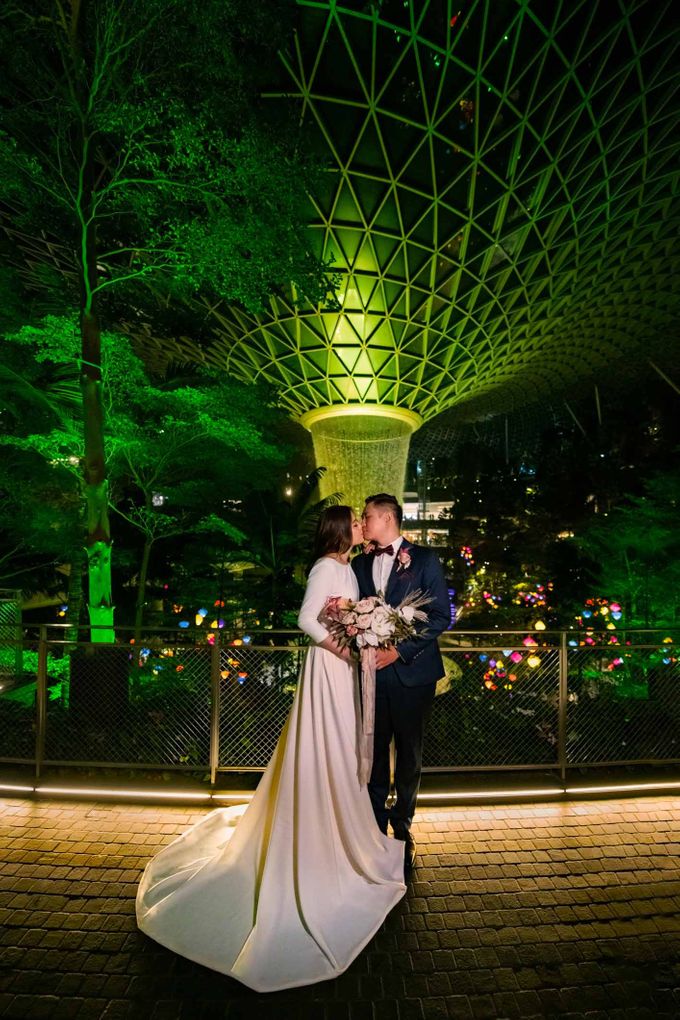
(420, 660)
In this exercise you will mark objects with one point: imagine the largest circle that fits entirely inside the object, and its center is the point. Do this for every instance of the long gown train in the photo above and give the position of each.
(293, 892)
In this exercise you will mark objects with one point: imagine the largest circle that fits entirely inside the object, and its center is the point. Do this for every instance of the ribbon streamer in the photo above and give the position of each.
(367, 713)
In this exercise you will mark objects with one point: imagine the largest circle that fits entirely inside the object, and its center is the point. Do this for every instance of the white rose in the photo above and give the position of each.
(383, 628)
(407, 613)
(363, 621)
(364, 605)
(370, 638)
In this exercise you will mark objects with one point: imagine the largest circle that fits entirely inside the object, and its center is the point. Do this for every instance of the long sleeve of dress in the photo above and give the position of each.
(319, 585)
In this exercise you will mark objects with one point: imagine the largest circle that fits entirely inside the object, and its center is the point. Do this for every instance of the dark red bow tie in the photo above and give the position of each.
(385, 549)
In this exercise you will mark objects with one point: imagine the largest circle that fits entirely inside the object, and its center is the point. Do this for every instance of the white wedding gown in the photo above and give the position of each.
(288, 891)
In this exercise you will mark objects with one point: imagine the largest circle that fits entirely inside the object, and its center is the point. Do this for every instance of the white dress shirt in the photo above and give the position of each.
(382, 565)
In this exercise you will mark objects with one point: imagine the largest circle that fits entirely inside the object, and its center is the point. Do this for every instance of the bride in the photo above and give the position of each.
(288, 891)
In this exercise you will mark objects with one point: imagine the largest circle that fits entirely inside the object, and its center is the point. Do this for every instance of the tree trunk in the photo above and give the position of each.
(98, 541)
(141, 596)
(74, 597)
(74, 601)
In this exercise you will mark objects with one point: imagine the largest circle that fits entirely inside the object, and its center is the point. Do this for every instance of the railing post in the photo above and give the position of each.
(563, 700)
(19, 637)
(41, 702)
(214, 709)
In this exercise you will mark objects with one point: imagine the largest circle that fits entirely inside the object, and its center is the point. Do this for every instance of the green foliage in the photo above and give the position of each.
(259, 573)
(636, 547)
(54, 338)
(128, 132)
(215, 525)
(140, 118)
(40, 504)
(196, 442)
(57, 668)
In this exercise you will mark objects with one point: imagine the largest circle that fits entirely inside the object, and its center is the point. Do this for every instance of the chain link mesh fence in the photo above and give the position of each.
(623, 704)
(18, 714)
(117, 706)
(10, 633)
(257, 686)
(495, 707)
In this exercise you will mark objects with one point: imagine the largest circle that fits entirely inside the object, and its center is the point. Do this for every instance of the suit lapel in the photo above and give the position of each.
(395, 573)
(365, 574)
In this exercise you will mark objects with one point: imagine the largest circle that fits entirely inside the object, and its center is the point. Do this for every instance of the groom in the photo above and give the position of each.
(407, 673)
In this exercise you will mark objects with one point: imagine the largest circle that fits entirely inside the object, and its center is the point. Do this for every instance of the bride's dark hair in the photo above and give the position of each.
(333, 531)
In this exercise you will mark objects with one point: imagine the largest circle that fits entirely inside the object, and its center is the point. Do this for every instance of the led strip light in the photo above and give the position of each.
(442, 796)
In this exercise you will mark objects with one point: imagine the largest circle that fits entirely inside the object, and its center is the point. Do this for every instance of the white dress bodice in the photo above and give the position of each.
(327, 578)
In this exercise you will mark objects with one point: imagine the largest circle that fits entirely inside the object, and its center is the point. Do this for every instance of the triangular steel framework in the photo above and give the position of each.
(502, 200)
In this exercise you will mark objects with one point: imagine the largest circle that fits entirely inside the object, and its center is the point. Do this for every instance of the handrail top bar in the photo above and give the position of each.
(563, 630)
(253, 647)
(185, 646)
(296, 630)
(130, 626)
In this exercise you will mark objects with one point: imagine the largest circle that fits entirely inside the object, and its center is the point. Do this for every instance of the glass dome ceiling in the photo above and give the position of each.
(502, 200)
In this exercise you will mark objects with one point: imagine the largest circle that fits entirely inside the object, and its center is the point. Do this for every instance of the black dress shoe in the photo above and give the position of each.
(410, 852)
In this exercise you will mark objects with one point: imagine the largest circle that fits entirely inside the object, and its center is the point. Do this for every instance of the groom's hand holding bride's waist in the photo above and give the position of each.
(385, 656)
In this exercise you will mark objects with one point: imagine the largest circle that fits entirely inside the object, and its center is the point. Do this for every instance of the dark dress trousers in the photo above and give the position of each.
(405, 690)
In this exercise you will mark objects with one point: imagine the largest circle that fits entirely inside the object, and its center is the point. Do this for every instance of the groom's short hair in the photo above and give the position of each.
(385, 501)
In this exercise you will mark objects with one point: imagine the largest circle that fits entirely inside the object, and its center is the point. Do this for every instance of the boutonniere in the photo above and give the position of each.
(403, 560)
(368, 547)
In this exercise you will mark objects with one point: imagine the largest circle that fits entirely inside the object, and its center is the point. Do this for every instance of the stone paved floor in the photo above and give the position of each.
(514, 911)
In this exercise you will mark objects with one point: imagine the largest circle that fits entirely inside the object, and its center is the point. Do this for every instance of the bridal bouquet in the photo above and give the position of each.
(363, 627)
(371, 622)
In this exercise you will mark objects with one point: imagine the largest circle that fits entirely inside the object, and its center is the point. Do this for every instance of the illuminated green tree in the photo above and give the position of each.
(177, 451)
(637, 549)
(127, 131)
(50, 537)
(40, 501)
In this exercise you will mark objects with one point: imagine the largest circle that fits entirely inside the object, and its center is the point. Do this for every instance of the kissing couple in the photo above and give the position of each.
(289, 890)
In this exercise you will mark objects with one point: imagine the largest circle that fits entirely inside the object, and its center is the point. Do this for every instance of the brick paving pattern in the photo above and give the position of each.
(569, 910)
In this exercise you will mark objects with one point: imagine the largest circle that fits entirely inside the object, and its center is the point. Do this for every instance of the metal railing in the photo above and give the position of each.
(217, 703)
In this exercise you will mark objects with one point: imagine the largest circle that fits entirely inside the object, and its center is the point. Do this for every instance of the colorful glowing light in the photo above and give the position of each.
(467, 555)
